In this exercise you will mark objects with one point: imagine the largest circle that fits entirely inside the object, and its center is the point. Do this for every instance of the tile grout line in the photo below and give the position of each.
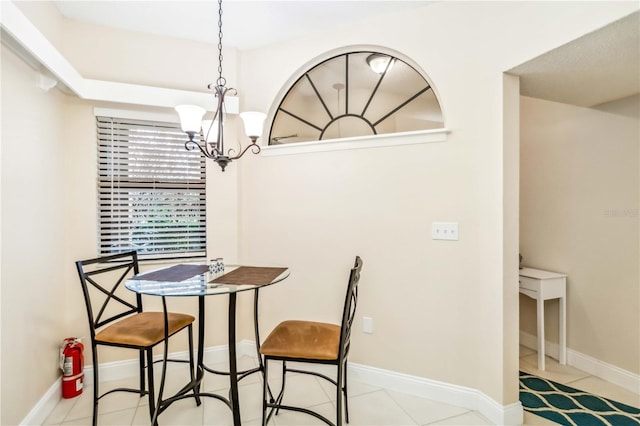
(401, 407)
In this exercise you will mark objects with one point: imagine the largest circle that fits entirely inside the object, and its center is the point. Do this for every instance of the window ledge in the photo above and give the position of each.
(360, 142)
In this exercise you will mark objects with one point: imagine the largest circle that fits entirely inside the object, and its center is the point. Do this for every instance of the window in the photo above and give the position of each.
(361, 93)
(151, 190)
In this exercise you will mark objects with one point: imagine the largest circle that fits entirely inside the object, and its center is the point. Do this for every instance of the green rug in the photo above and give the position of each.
(573, 407)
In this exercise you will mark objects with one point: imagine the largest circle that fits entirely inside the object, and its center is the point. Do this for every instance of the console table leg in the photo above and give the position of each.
(563, 331)
(541, 350)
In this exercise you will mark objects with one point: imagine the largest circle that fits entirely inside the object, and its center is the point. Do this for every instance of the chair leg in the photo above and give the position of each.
(141, 367)
(284, 382)
(151, 392)
(192, 365)
(346, 393)
(96, 389)
(339, 381)
(264, 392)
(269, 392)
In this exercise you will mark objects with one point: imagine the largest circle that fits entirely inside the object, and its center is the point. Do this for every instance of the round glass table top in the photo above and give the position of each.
(171, 281)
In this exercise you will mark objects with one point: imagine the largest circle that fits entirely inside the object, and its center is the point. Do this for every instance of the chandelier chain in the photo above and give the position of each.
(221, 80)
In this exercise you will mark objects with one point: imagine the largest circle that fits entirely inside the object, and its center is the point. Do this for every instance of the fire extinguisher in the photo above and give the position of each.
(72, 366)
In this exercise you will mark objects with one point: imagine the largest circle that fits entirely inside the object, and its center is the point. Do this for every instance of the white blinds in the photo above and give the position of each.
(151, 190)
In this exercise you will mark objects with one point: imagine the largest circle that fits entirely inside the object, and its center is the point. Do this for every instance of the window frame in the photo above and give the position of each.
(360, 142)
(439, 134)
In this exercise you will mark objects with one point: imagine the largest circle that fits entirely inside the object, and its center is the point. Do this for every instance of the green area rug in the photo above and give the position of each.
(568, 406)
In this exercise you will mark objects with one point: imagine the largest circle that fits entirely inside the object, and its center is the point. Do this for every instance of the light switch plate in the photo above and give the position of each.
(367, 325)
(444, 231)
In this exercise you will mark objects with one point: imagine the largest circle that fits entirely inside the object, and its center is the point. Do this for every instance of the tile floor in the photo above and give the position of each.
(368, 405)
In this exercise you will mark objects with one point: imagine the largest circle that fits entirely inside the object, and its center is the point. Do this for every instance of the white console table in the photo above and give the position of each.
(544, 285)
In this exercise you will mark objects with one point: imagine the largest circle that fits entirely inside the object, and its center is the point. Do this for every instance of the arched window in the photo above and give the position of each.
(361, 93)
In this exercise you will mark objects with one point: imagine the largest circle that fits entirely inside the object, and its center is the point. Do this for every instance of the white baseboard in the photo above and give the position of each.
(120, 370)
(588, 364)
(45, 405)
(129, 368)
(530, 341)
(460, 396)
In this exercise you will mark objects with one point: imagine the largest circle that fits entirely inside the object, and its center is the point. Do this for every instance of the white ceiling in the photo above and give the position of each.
(600, 67)
(245, 24)
(597, 68)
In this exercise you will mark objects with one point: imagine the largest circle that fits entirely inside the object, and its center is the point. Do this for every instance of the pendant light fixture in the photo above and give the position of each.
(211, 132)
(380, 63)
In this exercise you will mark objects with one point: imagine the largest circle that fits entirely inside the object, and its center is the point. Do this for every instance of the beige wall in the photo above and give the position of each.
(145, 59)
(34, 237)
(579, 216)
(45, 16)
(629, 106)
(435, 303)
(49, 151)
(511, 237)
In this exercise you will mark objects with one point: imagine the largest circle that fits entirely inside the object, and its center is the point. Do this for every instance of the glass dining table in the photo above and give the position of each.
(195, 280)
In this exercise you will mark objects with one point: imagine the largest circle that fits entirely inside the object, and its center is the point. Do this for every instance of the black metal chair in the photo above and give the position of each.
(117, 321)
(313, 342)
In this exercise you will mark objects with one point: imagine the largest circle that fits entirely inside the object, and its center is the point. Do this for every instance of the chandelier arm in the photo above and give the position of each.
(192, 145)
(220, 93)
(255, 148)
(215, 152)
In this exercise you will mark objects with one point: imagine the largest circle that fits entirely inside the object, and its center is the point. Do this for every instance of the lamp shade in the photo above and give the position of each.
(253, 122)
(210, 130)
(190, 117)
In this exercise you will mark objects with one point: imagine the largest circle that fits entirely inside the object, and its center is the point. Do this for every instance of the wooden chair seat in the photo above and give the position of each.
(143, 330)
(303, 339)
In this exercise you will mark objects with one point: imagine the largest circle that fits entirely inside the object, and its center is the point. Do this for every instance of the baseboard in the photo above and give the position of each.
(121, 370)
(460, 396)
(530, 341)
(469, 398)
(45, 405)
(605, 371)
(588, 364)
(129, 368)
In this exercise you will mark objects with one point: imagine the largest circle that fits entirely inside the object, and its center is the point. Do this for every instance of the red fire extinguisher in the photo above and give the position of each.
(72, 365)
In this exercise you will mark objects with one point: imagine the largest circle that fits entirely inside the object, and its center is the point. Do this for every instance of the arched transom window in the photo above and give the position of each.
(360, 93)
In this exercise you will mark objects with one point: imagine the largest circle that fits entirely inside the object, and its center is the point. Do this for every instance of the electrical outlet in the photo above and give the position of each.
(444, 231)
(367, 325)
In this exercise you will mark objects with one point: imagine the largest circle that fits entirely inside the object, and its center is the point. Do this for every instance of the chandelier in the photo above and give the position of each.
(211, 132)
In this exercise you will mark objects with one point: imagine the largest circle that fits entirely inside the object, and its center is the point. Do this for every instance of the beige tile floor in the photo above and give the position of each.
(368, 405)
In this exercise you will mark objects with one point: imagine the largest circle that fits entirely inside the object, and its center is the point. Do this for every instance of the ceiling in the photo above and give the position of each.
(597, 68)
(267, 22)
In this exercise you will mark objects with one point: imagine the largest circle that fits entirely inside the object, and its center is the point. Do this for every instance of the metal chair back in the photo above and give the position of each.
(106, 275)
(349, 309)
